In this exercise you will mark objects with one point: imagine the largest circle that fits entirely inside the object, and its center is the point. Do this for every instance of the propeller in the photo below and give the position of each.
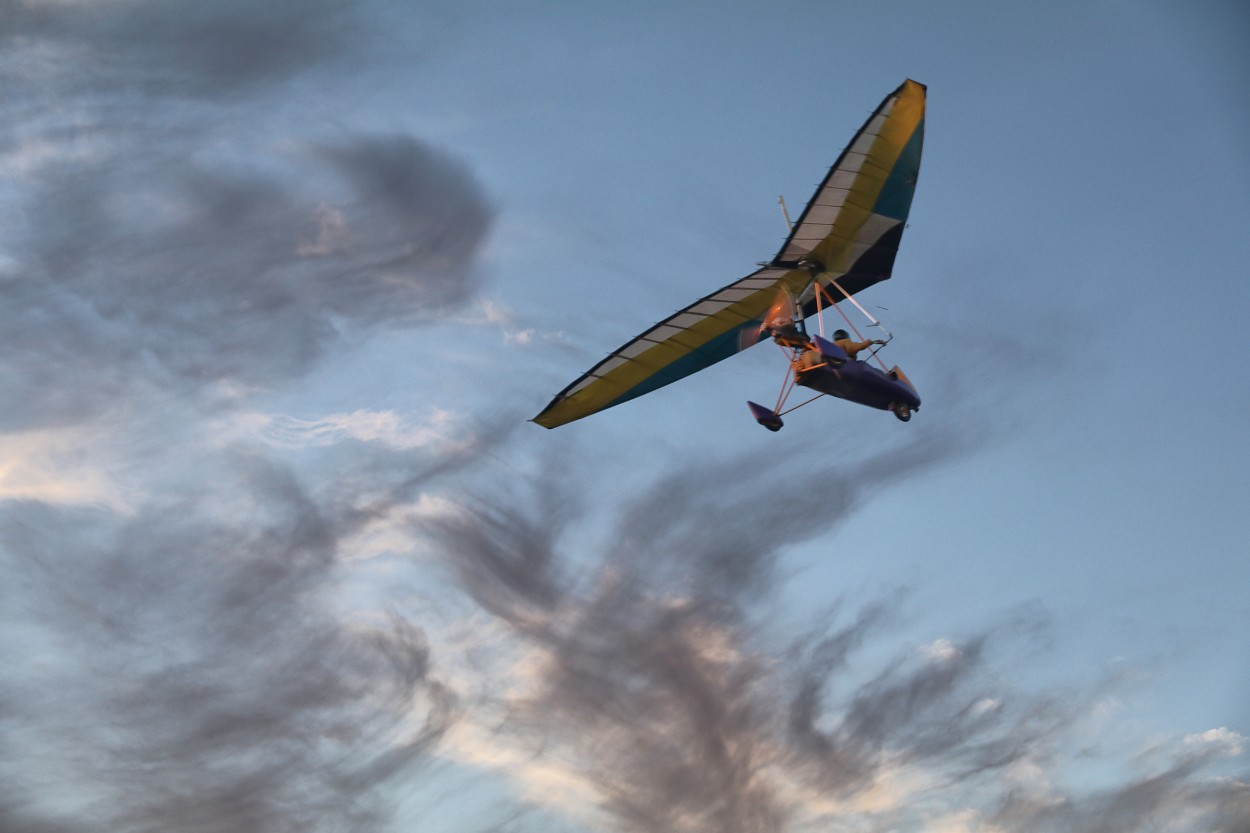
(781, 314)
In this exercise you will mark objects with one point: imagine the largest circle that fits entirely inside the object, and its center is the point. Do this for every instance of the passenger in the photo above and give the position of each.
(843, 339)
(810, 358)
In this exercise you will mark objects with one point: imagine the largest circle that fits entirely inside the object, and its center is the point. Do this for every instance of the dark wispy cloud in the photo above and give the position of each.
(186, 667)
(184, 659)
(1178, 796)
(657, 683)
(175, 671)
(650, 670)
(187, 663)
(148, 242)
(175, 48)
(182, 275)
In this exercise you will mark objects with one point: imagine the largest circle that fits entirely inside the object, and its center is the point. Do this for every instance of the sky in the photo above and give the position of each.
(282, 283)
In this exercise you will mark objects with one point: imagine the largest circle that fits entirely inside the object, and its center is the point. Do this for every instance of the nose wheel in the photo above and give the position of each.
(903, 411)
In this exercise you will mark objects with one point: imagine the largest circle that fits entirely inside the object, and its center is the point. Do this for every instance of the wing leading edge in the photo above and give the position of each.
(849, 232)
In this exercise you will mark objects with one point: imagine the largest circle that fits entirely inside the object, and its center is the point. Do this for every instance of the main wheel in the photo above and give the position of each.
(902, 411)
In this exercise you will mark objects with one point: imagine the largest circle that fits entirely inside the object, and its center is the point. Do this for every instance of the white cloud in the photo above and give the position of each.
(481, 661)
(1106, 707)
(986, 705)
(520, 337)
(1222, 741)
(55, 466)
(1028, 778)
(386, 428)
(894, 786)
(960, 821)
(333, 234)
(541, 779)
(496, 314)
(32, 155)
(940, 650)
(396, 532)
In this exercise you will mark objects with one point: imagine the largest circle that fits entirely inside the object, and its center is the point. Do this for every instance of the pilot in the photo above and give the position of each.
(788, 335)
(843, 339)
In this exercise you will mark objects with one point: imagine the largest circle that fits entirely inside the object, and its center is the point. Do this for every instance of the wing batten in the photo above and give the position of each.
(849, 231)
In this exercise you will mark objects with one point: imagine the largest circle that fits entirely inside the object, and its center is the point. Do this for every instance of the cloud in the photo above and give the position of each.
(174, 48)
(651, 690)
(191, 666)
(385, 427)
(150, 244)
(51, 466)
(188, 668)
(186, 639)
(1221, 741)
(940, 650)
(179, 276)
(650, 679)
(513, 330)
(1177, 798)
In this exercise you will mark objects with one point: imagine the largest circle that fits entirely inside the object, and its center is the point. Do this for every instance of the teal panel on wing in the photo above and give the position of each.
(896, 195)
(718, 349)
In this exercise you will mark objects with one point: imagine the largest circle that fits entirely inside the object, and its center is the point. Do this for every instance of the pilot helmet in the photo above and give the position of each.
(839, 334)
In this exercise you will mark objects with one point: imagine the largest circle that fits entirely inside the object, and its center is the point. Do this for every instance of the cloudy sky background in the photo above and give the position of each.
(281, 284)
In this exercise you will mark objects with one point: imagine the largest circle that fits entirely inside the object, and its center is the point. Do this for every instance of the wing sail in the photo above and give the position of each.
(709, 330)
(849, 232)
(851, 229)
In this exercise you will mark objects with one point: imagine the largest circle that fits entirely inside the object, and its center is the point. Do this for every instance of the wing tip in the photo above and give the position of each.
(544, 418)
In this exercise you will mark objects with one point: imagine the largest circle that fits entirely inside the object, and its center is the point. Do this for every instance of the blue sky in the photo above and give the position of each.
(282, 286)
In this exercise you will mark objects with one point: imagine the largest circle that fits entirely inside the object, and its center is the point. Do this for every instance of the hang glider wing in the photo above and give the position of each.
(851, 228)
(849, 232)
(713, 328)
